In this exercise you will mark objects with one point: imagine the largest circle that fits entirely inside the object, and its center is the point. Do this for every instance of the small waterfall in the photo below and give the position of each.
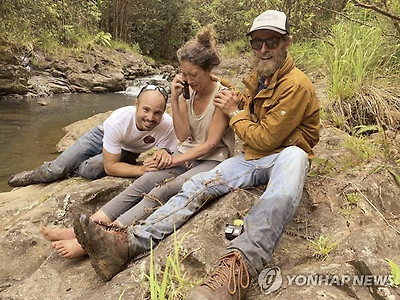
(136, 85)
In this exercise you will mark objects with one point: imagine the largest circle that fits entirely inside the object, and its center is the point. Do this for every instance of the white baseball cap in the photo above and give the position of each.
(272, 20)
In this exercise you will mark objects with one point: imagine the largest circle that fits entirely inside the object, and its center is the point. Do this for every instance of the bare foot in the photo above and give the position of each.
(57, 234)
(68, 248)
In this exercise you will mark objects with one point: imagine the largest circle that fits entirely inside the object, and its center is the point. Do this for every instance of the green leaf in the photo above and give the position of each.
(359, 130)
(395, 272)
(395, 175)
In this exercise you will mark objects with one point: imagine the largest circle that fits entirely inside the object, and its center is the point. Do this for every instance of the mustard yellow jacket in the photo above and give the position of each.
(284, 114)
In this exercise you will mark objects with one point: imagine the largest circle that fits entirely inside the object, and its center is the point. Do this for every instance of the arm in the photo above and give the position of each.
(179, 109)
(219, 124)
(114, 167)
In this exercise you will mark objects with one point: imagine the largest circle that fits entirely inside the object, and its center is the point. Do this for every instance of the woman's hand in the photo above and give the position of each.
(177, 86)
(161, 159)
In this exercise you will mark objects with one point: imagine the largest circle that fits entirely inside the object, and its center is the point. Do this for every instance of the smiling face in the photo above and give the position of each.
(266, 61)
(197, 77)
(150, 108)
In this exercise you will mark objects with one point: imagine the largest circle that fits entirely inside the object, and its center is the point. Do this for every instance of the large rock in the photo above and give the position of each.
(13, 79)
(364, 231)
(77, 129)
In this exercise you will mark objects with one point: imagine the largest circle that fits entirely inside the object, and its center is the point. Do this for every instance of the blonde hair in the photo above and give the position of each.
(202, 50)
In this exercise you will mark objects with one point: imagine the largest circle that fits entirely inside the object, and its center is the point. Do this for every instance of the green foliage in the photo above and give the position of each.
(395, 175)
(363, 148)
(172, 282)
(324, 166)
(103, 39)
(353, 55)
(362, 129)
(322, 247)
(160, 27)
(361, 65)
(353, 199)
(230, 21)
(235, 48)
(395, 273)
(306, 56)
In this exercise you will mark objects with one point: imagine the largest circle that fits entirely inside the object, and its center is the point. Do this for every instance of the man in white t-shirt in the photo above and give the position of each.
(112, 148)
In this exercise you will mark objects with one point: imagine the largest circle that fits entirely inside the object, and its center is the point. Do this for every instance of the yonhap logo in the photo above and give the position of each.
(270, 280)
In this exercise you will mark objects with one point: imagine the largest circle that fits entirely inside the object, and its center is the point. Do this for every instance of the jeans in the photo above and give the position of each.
(83, 157)
(285, 173)
(132, 205)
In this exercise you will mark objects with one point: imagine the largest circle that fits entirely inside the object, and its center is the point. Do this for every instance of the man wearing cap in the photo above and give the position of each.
(112, 148)
(277, 117)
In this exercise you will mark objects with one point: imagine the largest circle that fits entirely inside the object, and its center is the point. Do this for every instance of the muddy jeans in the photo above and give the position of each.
(264, 224)
(84, 157)
(151, 190)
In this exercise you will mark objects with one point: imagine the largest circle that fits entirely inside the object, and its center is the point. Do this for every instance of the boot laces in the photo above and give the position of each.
(115, 230)
(231, 269)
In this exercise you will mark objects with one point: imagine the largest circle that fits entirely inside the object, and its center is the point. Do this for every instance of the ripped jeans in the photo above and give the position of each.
(285, 173)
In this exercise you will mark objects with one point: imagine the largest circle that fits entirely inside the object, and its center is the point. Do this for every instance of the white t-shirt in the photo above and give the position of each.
(120, 132)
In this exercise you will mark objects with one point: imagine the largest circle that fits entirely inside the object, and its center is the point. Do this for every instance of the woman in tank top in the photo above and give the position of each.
(205, 140)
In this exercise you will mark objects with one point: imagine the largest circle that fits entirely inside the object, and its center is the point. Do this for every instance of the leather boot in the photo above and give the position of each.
(23, 178)
(109, 253)
(230, 280)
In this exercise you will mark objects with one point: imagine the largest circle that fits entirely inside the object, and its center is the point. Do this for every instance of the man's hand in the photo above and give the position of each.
(161, 159)
(226, 100)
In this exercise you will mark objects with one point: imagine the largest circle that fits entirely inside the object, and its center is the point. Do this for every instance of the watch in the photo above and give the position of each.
(235, 113)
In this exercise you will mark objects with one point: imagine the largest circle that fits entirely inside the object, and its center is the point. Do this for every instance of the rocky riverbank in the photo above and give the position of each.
(27, 73)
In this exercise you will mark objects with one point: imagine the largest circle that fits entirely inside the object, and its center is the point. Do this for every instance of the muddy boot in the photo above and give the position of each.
(230, 280)
(23, 178)
(109, 253)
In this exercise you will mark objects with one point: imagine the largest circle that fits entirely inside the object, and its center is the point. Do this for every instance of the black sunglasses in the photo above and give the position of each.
(271, 43)
(152, 87)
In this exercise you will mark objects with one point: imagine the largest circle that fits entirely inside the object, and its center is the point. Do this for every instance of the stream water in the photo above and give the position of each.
(30, 131)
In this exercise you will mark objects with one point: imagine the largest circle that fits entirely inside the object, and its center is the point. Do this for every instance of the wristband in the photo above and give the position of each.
(234, 113)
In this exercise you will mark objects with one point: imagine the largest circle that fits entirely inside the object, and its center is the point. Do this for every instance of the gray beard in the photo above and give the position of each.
(267, 70)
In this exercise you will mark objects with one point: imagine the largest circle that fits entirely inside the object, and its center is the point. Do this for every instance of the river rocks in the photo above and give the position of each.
(32, 73)
(13, 80)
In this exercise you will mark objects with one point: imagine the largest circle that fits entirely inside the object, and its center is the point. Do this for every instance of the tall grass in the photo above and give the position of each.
(172, 284)
(354, 55)
(360, 63)
(307, 57)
